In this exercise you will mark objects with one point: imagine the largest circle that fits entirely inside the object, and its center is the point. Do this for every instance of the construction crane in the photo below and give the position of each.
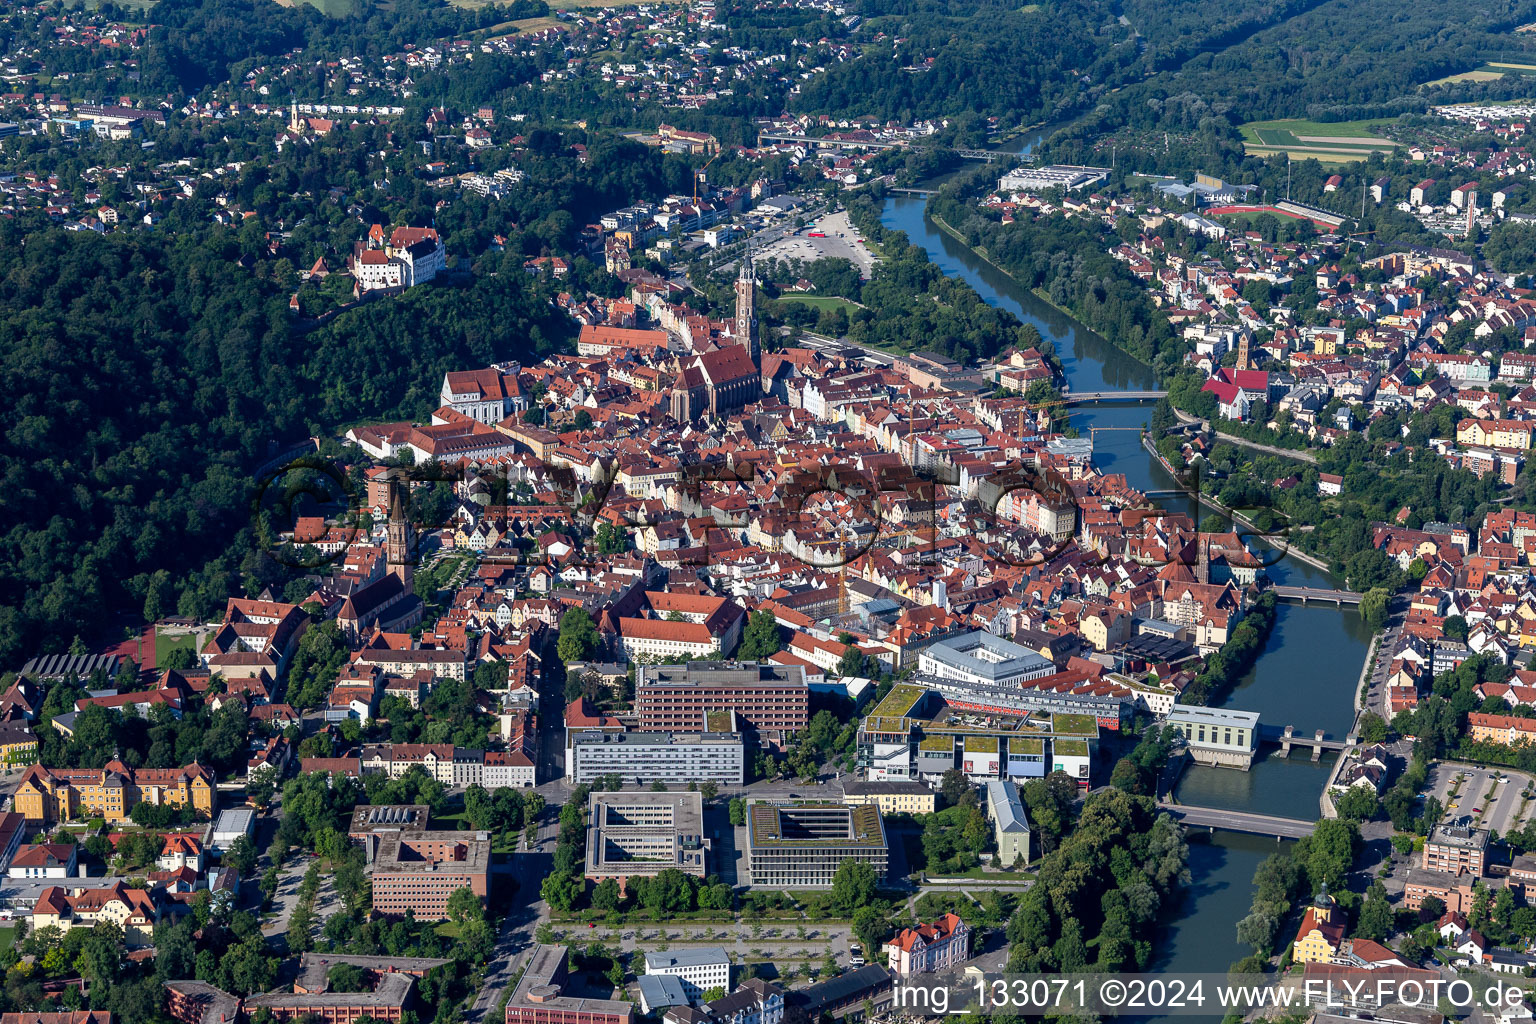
(698, 176)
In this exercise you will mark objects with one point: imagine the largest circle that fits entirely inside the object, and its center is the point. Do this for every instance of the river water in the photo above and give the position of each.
(1306, 677)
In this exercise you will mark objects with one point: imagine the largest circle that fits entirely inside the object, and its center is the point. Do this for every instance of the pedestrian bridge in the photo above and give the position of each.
(1090, 397)
(1247, 822)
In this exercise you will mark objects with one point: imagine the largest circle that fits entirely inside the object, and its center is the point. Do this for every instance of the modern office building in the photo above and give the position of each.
(1217, 736)
(642, 834)
(800, 845)
(980, 657)
(418, 871)
(643, 757)
(700, 970)
(773, 699)
(544, 995)
(1455, 849)
(1010, 823)
(917, 733)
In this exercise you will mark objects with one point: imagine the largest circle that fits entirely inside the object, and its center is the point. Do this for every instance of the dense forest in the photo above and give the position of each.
(149, 378)
(1020, 64)
(197, 43)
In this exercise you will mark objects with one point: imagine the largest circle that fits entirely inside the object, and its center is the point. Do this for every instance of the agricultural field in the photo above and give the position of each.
(1330, 142)
(1488, 72)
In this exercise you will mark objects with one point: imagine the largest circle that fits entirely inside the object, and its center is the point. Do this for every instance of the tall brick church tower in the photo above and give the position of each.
(398, 543)
(746, 314)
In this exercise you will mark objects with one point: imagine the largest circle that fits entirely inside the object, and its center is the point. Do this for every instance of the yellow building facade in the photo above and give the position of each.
(71, 794)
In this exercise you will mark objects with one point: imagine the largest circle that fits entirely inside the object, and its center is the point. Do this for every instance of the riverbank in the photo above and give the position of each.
(1232, 514)
(1038, 293)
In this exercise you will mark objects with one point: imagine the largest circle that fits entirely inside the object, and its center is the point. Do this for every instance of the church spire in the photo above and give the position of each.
(398, 542)
(746, 307)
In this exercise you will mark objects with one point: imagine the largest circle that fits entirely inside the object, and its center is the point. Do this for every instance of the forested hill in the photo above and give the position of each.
(203, 42)
(147, 377)
(1021, 63)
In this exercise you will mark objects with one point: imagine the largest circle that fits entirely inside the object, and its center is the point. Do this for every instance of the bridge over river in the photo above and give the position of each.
(1247, 822)
(1093, 397)
(1325, 594)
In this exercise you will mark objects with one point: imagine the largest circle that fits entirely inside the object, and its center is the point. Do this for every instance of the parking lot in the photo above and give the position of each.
(1491, 798)
(841, 240)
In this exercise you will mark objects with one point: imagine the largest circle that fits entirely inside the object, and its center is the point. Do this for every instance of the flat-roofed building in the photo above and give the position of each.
(892, 796)
(1010, 822)
(632, 835)
(773, 699)
(1217, 736)
(1454, 849)
(700, 970)
(197, 1002)
(418, 871)
(643, 757)
(800, 845)
(372, 822)
(544, 995)
(393, 980)
(980, 657)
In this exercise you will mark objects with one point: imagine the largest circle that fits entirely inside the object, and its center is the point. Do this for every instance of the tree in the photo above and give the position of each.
(737, 809)
(578, 636)
(1376, 921)
(853, 885)
(561, 890)
(761, 638)
(1374, 607)
(1455, 628)
(241, 856)
(871, 927)
(954, 787)
(463, 905)
(605, 896)
(582, 420)
(1373, 728)
(708, 790)
(1358, 803)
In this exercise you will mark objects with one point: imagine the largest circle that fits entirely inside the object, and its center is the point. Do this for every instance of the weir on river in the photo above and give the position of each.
(1308, 672)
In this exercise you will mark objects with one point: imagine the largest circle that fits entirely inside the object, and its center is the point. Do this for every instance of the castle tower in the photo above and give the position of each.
(398, 544)
(746, 315)
(1202, 559)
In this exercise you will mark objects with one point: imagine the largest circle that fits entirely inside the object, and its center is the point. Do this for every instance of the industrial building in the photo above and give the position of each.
(1217, 736)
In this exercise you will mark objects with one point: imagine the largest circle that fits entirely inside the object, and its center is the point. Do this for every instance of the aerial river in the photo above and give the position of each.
(1307, 676)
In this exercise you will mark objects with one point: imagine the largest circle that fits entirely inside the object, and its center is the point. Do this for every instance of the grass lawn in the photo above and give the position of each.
(165, 644)
(820, 301)
(7, 937)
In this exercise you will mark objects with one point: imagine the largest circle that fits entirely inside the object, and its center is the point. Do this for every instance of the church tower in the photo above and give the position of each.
(293, 115)
(746, 315)
(1244, 359)
(398, 544)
